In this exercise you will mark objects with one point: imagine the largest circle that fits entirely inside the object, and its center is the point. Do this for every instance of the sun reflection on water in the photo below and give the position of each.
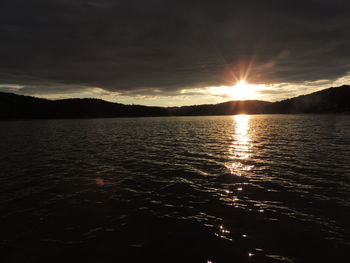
(241, 147)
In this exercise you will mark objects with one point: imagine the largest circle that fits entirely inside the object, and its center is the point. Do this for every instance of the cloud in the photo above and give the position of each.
(162, 47)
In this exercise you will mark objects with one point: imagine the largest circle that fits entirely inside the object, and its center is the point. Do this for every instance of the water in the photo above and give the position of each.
(263, 188)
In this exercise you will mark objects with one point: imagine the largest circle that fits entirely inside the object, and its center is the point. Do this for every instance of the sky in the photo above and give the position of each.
(168, 53)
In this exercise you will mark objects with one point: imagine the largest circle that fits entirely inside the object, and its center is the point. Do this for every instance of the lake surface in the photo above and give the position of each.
(259, 188)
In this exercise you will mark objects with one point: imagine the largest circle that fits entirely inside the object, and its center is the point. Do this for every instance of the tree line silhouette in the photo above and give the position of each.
(12, 106)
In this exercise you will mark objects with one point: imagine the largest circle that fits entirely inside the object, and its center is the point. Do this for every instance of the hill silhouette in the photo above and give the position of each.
(331, 100)
(12, 106)
(225, 108)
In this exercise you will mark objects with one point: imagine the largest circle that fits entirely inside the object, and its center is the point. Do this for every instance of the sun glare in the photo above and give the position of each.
(244, 91)
(240, 91)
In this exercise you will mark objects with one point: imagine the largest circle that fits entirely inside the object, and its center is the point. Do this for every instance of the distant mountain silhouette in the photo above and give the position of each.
(12, 106)
(225, 108)
(331, 100)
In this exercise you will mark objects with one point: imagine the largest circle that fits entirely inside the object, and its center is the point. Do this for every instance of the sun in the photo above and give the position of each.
(244, 91)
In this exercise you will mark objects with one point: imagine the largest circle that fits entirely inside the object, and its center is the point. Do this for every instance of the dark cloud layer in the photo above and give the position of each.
(169, 45)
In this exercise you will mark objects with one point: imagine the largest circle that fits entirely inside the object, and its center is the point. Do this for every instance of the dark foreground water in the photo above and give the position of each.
(268, 188)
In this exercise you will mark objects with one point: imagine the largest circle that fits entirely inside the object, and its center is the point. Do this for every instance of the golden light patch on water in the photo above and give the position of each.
(241, 146)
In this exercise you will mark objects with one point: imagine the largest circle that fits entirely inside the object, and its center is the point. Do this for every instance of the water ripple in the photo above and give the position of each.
(267, 188)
